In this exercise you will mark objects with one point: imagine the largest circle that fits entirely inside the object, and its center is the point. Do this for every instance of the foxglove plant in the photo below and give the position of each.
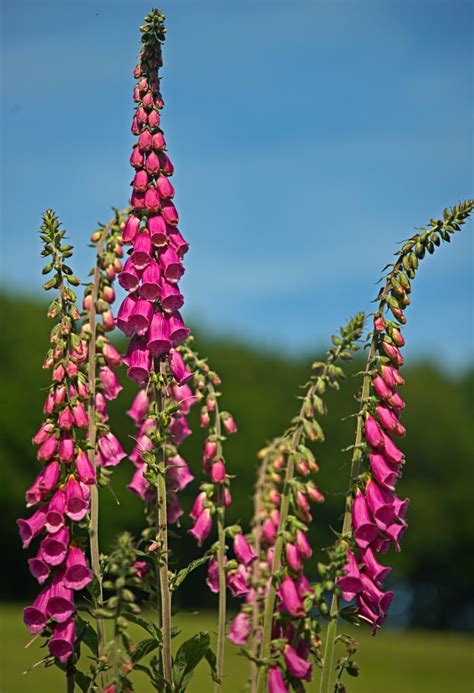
(279, 623)
(282, 518)
(62, 489)
(374, 518)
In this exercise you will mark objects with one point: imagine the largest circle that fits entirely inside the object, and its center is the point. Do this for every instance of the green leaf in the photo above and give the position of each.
(143, 648)
(83, 681)
(88, 635)
(212, 661)
(149, 626)
(188, 657)
(177, 579)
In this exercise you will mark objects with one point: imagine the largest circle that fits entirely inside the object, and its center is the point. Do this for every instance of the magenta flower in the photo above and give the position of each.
(380, 503)
(276, 682)
(212, 579)
(296, 665)
(39, 569)
(202, 526)
(66, 447)
(60, 605)
(55, 511)
(372, 568)
(178, 368)
(47, 449)
(373, 433)
(198, 505)
(218, 472)
(293, 558)
(290, 598)
(54, 547)
(365, 530)
(139, 485)
(77, 502)
(110, 382)
(178, 472)
(46, 480)
(350, 583)
(382, 472)
(35, 616)
(78, 574)
(31, 527)
(85, 469)
(159, 341)
(237, 581)
(111, 452)
(243, 551)
(240, 629)
(139, 407)
(61, 644)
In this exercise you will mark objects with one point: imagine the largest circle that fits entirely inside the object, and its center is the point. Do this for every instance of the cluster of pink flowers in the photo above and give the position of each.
(150, 313)
(178, 475)
(62, 493)
(378, 515)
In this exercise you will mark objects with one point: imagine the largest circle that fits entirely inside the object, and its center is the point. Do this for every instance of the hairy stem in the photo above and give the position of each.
(256, 572)
(70, 677)
(220, 561)
(92, 437)
(162, 538)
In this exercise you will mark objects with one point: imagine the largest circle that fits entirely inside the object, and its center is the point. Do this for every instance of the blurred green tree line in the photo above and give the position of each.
(432, 574)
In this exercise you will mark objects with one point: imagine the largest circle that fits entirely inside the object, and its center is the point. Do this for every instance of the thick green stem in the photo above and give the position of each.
(220, 561)
(162, 538)
(92, 437)
(70, 678)
(256, 571)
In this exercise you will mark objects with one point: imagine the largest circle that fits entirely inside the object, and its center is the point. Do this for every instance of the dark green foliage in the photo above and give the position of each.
(261, 388)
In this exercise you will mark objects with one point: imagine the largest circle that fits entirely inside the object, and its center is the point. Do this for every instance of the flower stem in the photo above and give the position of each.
(256, 571)
(220, 558)
(92, 436)
(70, 678)
(162, 538)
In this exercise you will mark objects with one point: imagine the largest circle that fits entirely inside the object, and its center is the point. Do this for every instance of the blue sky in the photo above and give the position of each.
(308, 138)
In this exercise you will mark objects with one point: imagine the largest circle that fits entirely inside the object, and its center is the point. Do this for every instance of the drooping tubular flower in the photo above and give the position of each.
(149, 315)
(61, 492)
(284, 495)
(378, 514)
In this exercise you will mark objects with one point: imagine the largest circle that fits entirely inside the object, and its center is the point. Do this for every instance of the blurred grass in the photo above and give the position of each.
(392, 662)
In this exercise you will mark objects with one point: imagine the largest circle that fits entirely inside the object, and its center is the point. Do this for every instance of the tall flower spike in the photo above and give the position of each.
(150, 316)
(374, 518)
(61, 492)
(282, 597)
(150, 312)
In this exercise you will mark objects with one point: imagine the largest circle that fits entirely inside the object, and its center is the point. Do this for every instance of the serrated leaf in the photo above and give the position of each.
(177, 579)
(188, 657)
(83, 681)
(149, 626)
(143, 648)
(88, 636)
(211, 659)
